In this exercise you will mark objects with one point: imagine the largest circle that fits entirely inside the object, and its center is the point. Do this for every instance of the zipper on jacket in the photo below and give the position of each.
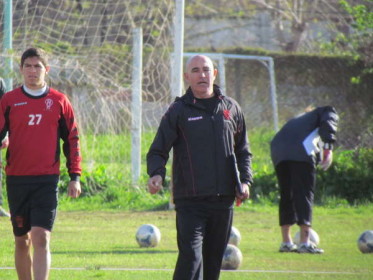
(215, 153)
(214, 119)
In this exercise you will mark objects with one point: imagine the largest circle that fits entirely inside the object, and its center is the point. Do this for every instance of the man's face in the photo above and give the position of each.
(200, 75)
(33, 72)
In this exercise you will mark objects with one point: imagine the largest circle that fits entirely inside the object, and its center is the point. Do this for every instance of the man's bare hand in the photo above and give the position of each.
(5, 143)
(74, 189)
(244, 195)
(155, 184)
(327, 159)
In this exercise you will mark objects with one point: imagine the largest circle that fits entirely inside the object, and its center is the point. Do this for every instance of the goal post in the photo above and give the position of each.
(177, 56)
(7, 43)
(136, 107)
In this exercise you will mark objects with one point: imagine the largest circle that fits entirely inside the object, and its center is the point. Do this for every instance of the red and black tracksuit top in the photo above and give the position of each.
(203, 145)
(35, 126)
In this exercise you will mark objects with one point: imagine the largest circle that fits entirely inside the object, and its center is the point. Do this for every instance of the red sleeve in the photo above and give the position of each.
(70, 137)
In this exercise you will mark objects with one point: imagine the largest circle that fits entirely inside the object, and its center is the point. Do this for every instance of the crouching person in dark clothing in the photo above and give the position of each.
(295, 154)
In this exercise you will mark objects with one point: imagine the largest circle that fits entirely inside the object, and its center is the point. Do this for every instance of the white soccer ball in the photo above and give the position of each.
(365, 242)
(314, 237)
(232, 258)
(235, 236)
(148, 236)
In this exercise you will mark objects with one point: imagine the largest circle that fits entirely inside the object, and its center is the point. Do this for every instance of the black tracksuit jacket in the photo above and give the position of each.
(203, 145)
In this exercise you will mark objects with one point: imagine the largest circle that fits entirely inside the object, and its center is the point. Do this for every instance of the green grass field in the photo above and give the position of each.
(94, 236)
(102, 245)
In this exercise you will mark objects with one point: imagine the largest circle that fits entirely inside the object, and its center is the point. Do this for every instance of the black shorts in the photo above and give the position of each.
(32, 202)
(297, 184)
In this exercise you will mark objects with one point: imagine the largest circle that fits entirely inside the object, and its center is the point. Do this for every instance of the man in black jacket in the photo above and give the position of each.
(211, 168)
(295, 154)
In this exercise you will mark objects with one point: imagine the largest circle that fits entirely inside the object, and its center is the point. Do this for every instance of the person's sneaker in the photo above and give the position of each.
(310, 249)
(287, 248)
(4, 213)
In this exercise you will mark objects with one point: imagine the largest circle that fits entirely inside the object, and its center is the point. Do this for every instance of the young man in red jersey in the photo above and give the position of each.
(36, 117)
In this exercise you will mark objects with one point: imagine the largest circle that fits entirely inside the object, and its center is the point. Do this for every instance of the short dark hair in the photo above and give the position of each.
(32, 52)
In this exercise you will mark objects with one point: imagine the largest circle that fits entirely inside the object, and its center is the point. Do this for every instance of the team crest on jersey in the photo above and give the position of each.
(227, 114)
(48, 103)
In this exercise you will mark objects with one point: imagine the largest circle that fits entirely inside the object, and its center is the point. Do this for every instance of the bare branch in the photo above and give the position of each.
(263, 4)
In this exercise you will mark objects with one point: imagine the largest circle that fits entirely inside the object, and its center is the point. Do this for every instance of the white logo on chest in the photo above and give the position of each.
(48, 103)
(20, 104)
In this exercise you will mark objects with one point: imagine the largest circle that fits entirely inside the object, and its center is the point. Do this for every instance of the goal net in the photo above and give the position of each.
(91, 54)
(90, 47)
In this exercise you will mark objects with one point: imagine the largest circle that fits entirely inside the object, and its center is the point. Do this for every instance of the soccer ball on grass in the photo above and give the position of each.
(314, 237)
(148, 235)
(365, 242)
(232, 258)
(235, 236)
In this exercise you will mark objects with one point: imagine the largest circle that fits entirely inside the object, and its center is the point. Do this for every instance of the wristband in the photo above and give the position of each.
(328, 146)
(74, 177)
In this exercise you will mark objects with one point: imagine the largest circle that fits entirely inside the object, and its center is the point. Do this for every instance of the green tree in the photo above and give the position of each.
(359, 43)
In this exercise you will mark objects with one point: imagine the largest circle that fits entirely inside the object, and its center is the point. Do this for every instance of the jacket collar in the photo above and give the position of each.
(189, 98)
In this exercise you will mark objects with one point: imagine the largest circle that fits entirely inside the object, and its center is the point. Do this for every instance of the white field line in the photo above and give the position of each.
(164, 269)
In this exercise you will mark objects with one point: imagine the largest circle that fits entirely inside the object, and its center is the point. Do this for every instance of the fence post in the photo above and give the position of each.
(136, 106)
(177, 57)
(7, 45)
(221, 74)
(273, 93)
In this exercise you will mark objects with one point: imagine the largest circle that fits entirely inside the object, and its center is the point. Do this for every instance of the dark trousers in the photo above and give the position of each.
(202, 236)
(297, 184)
